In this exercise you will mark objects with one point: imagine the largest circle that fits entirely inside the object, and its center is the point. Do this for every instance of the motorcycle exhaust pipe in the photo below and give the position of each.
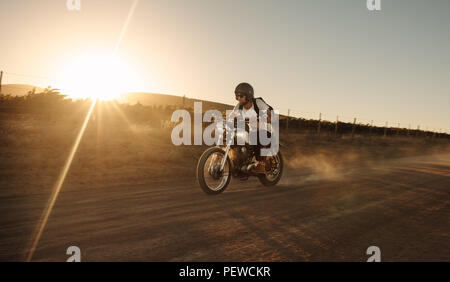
(249, 167)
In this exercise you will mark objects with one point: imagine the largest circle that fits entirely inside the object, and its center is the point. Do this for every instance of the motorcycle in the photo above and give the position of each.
(218, 164)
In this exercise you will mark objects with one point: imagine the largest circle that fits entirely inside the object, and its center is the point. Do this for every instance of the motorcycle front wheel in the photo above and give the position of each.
(211, 179)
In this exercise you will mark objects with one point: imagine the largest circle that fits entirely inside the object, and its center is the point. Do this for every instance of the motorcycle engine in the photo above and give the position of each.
(241, 155)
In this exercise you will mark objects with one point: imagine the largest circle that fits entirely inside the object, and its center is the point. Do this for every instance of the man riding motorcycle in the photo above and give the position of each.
(250, 107)
(245, 153)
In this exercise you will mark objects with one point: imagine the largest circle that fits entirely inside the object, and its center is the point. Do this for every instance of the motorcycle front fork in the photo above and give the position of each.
(222, 164)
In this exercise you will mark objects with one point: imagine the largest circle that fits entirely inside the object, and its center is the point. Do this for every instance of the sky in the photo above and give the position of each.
(319, 56)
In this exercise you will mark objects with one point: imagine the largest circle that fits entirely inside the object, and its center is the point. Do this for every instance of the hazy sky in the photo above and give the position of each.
(334, 57)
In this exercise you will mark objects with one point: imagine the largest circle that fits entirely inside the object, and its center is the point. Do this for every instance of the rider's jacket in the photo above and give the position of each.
(251, 114)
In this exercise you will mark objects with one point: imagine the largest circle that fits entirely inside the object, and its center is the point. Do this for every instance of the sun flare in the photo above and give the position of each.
(96, 76)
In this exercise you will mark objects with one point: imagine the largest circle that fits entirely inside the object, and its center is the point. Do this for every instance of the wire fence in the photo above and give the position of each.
(340, 124)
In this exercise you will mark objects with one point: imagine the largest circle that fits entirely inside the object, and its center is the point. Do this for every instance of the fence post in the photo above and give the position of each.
(385, 129)
(1, 76)
(370, 129)
(318, 126)
(336, 126)
(398, 129)
(287, 120)
(353, 128)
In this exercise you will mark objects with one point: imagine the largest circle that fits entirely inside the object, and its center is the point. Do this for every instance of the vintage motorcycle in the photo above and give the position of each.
(217, 164)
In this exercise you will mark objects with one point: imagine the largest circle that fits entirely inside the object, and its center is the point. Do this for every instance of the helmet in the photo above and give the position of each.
(245, 89)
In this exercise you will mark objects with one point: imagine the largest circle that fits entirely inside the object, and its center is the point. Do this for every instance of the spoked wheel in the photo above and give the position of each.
(212, 180)
(272, 176)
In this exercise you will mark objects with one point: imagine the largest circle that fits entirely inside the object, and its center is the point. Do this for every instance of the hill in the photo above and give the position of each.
(19, 89)
(157, 99)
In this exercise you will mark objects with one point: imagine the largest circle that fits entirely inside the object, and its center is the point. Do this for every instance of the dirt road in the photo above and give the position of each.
(402, 206)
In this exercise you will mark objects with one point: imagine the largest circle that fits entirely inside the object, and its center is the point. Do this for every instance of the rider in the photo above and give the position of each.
(251, 107)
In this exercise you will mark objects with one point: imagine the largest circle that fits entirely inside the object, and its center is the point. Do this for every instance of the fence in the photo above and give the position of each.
(352, 126)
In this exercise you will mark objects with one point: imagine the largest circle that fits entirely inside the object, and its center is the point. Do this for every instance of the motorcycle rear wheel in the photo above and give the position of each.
(272, 180)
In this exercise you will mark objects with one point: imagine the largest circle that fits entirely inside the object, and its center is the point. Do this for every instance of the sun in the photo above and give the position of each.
(97, 76)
